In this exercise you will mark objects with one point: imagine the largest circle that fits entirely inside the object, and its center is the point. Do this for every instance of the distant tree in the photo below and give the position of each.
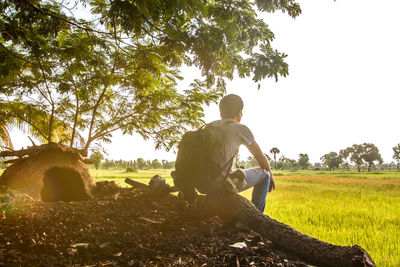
(275, 151)
(317, 166)
(251, 162)
(396, 155)
(96, 157)
(168, 164)
(332, 160)
(371, 154)
(286, 163)
(107, 164)
(344, 155)
(356, 155)
(303, 161)
(141, 164)
(155, 164)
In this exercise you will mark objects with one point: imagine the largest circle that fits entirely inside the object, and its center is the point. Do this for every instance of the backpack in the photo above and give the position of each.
(194, 166)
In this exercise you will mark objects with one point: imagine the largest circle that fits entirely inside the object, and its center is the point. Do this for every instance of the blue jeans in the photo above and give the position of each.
(258, 178)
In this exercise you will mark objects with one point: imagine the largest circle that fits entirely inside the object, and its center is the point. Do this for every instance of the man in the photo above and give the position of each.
(233, 135)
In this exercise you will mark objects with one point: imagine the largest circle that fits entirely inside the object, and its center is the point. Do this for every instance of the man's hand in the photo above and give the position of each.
(271, 182)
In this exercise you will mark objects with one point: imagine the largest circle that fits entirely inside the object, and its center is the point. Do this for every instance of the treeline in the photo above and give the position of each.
(358, 157)
(133, 165)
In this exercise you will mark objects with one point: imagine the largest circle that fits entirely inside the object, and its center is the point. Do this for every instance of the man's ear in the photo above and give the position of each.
(238, 117)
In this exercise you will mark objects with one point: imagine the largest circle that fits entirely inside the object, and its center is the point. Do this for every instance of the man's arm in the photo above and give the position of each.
(262, 160)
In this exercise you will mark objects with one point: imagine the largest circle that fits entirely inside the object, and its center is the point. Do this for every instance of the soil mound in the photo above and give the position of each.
(49, 172)
(124, 227)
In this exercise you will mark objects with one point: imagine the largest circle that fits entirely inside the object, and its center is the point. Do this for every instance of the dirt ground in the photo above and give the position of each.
(124, 227)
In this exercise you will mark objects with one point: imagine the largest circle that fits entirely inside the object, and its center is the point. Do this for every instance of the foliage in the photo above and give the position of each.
(32, 120)
(251, 162)
(356, 155)
(371, 154)
(365, 153)
(118, 68)
(130, 169)
(96, 157)
(344, 155)
(396, 155)
(275, 151)
(285, 163)
(155, 164)
(138, 164)
(303, 161)
(332, 160)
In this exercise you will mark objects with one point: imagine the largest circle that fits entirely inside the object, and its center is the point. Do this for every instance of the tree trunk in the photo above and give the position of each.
(232, 207)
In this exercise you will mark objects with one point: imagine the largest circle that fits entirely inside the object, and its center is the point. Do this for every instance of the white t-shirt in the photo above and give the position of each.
(230, 135)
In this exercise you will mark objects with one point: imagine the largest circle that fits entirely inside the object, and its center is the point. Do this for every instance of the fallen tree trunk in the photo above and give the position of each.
(233, 207)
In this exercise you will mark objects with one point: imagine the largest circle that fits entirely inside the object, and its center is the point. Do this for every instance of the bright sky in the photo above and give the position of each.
(343, 85)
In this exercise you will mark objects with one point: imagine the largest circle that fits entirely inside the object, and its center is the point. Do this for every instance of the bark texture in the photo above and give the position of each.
(230, 206)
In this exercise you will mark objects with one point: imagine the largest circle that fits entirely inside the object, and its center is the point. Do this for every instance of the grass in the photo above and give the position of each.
(341, 207)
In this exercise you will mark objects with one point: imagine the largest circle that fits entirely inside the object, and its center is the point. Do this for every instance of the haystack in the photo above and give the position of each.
(50, 172)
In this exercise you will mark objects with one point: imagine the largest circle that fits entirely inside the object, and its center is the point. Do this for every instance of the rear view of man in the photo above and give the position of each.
(233, 135)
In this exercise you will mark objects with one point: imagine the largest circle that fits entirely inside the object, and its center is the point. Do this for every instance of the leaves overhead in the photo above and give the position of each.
(117, 66)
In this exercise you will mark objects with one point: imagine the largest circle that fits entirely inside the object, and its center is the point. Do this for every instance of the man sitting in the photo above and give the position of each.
(233, 135)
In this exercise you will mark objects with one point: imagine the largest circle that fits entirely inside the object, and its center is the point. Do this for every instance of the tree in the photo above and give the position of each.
(396, 155)
(121, 73)
(287, 163)
(332, 160)
(251, 162)
(303, 161)
(141, 163)
(356, 155)
(371, 154)
(344, 155)
(275, 151)
(155, 164)
(28, 119)
(96, 157)
(168, 164)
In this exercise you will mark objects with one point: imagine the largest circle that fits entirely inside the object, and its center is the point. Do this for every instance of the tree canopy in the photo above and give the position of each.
(396, 155)
(332, 160)
(117, 66)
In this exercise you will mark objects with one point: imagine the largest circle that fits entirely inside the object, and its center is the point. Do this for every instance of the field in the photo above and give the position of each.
(343, 208)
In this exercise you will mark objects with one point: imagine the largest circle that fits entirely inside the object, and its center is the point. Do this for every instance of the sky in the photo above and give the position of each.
(343, 86)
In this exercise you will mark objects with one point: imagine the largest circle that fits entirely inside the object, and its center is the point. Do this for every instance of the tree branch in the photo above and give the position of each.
(99, 100)
(50, 100)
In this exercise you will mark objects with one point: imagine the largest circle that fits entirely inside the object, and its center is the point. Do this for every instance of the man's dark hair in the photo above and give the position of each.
(230, 106)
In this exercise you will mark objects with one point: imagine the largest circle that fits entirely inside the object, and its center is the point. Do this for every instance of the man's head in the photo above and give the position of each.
(230, 107)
